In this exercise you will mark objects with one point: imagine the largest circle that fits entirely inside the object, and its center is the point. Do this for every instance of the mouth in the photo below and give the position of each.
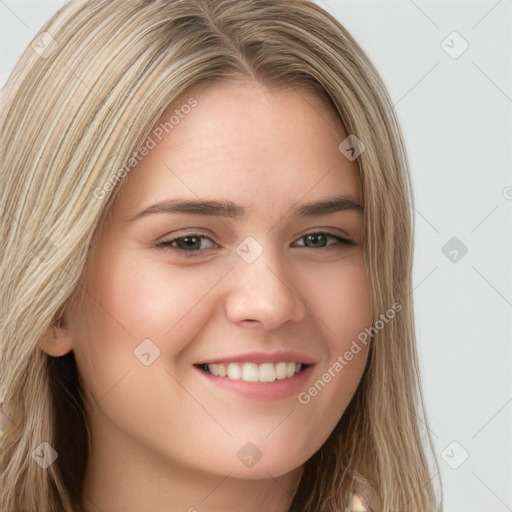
(259, 375)
(254, 372)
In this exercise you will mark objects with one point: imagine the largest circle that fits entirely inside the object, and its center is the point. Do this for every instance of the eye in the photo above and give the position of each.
(190, 242)
(318, 240)
(193, 242)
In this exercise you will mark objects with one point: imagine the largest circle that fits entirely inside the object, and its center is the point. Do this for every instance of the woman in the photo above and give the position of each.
(206, 273)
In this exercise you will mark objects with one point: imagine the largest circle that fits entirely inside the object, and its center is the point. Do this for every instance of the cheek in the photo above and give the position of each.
(341, 302)
(131, 301)
(339, 297)
(147, 299)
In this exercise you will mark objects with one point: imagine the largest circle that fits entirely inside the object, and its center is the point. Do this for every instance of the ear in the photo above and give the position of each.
(56, 341)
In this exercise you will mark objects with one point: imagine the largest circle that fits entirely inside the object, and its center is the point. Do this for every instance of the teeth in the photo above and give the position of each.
(252, 372)
(280, 370)
(234, 371)
(267, 372)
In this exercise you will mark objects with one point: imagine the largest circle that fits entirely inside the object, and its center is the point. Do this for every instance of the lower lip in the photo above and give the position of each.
(275, 390)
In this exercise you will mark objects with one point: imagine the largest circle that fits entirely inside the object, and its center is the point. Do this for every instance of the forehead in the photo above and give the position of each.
(246, 143)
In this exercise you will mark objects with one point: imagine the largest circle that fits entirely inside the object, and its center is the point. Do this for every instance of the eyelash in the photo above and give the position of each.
(166, 243)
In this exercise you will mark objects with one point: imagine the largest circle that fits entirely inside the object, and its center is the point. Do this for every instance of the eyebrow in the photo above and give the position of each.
(225, 208)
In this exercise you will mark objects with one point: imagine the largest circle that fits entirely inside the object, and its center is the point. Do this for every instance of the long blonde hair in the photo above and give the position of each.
(79, 104)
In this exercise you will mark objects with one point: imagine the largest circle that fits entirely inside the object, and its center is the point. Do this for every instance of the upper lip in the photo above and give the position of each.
(283, 356)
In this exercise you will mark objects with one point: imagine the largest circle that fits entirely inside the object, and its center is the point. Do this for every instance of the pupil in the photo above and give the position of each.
(190, 241)
(314, 238)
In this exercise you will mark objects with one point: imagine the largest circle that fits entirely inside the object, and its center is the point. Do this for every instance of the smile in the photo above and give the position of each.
(253, 372)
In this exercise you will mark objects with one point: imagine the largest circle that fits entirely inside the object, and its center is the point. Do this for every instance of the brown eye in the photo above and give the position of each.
(319, 240)
(188, 243)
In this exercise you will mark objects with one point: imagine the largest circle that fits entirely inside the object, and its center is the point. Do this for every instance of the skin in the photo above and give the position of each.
(164, 438)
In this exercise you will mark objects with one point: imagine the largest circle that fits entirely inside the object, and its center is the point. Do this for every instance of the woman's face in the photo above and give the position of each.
(230, 273)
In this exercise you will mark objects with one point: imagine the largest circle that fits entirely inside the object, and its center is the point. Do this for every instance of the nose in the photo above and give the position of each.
(264, 293)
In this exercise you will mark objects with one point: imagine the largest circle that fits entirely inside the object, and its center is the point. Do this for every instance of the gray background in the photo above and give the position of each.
(455, 111)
